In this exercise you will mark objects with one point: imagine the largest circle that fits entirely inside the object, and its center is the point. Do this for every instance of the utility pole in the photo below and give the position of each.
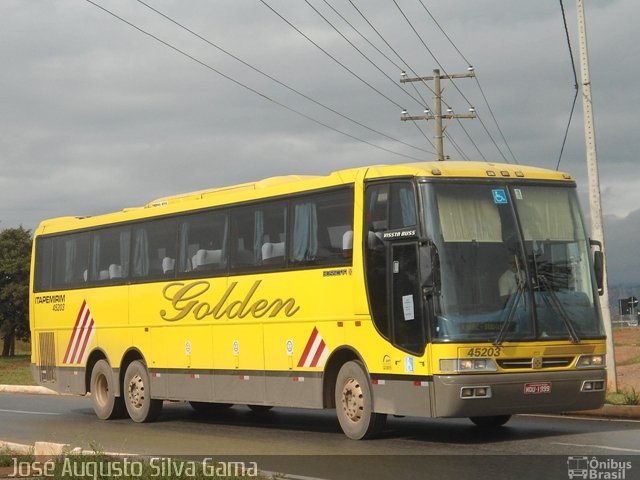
(597, 230)
(437, 115)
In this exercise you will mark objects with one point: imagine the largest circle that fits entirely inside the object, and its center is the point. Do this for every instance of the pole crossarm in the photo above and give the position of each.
(451, 116)
(437, 114)
(442, 77)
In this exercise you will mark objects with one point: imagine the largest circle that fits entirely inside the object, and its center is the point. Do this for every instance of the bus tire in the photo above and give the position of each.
(494, 421)
(137, 394)
(106, 405)
(354, 403)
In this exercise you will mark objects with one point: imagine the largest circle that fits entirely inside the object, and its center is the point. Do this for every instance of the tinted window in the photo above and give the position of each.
(203, 242)
(44, 263)
(110, 252)
(258, 236)
(322, 228)
(154, 249)
(71, 260)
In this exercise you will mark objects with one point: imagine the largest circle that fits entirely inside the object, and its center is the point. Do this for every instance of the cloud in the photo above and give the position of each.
(623, 255)
(96, 116)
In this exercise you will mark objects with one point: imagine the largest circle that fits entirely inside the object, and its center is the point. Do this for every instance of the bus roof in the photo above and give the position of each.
(283, 185)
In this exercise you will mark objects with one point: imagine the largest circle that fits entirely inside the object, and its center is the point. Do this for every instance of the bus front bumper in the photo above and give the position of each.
(513, 393)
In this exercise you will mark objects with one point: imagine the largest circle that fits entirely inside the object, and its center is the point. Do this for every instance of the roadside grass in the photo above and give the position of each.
(624, 397)
(16, 370)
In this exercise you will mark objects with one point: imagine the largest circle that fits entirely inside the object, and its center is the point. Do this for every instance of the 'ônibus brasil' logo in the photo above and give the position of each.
(189, 299)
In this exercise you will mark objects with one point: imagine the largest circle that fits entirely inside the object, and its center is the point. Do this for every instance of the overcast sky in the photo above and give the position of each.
(96, 116)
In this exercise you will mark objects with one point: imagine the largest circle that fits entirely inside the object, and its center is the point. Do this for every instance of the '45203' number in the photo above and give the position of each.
(484, 352)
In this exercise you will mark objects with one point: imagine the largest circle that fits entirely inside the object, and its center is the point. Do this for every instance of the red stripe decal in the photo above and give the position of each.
(66, 355)
(86, 341)
(307, 348)
(319, 352)
(80, 336)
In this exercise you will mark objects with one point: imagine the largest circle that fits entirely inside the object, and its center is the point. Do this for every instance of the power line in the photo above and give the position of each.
(408, 67)
(424, 102)
(446, 74)
(437, 115)
(244, 86)
(398, 67)
(444, 33)
(484, 97)
(379, 34)
(360, 51)
(575, 78)
(363, 36)
(279, 82)
(495, 120)
(331, 56)
(389, 46)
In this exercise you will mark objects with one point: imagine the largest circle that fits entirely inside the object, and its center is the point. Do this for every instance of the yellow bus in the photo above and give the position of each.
(446, 289)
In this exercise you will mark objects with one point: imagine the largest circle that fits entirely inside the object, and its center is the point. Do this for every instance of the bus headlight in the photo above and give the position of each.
(590, 361)
(467, 365)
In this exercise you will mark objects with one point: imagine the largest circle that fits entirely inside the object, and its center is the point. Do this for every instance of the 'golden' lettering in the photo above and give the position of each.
(187, 299)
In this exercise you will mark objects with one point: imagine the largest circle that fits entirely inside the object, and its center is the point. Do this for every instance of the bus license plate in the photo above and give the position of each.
(537, 388)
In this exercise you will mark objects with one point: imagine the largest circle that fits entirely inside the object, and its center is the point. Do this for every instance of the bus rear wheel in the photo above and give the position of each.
(137, 394)
(490, 422)
(354, 403)
(106, 405)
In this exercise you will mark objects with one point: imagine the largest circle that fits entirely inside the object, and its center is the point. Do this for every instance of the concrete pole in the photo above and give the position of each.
(439, 132)
(597, 230)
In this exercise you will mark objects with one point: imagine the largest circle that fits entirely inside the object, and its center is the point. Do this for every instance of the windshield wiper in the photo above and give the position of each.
(514, 305)
(556, 304)
(512, 311)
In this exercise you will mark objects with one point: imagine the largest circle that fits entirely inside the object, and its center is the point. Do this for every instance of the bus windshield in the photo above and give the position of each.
(513, 263)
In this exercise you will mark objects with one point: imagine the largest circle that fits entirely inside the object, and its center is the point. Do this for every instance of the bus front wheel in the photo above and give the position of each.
(137, 394)
(106, 405)
(354, 403)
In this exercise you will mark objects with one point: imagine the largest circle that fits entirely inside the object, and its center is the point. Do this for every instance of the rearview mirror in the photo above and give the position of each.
(598, 265)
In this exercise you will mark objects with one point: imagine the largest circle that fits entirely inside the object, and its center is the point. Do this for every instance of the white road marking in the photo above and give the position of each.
(604, 447)
(27, 412)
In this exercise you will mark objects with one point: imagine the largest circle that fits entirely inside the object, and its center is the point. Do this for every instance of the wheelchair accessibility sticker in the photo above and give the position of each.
(499, 196)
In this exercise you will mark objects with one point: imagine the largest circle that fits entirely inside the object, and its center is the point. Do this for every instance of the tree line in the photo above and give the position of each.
(15, 260)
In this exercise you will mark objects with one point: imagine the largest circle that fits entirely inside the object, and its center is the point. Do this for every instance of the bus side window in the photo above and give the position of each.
(270, 236)
(203, 243)
(153, 248)
(109, 254)
(258, 236)
(320, 224)
(71, 259)
(44, 264)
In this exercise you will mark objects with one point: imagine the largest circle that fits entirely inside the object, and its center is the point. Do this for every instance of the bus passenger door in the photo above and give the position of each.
(392, 264)
(406, 304)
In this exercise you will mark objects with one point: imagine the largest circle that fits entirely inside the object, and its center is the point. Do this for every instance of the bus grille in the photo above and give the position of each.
(47, 364)
(535, 362)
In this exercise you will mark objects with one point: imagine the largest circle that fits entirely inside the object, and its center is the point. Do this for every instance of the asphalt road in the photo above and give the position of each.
(310, 443)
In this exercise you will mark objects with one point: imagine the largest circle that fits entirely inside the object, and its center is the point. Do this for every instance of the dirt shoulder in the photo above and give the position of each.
(627, 352)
